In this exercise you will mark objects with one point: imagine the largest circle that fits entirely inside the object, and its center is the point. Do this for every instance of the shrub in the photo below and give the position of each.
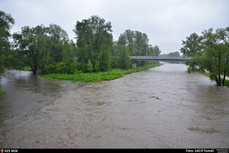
(68, 67)
(50, 68)
(2, 92)
(89, 66)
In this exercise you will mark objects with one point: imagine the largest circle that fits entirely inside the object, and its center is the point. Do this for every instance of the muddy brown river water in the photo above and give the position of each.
(164, 107)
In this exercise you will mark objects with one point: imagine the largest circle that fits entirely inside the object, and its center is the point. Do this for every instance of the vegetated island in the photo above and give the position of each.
(79, 76)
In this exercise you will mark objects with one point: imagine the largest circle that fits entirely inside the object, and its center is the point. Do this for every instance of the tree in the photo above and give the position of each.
(157, 51)
(14, 59)
(34, 42)
(94, 42)
(69, 50)
(215, 56)
(89, 66)
(127, 39)
(105, 59)
(6, 21)
(154, 51)
(96, 67)
(191, 46)
(136, 42)
(141, 44)
(59, 41)
(216, 51)
(123, 57)
(177, 54)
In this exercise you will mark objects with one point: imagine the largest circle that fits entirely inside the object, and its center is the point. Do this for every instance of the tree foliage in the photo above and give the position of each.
(34, 42)
(123, 57)
(44, 46)
(213, 56)
(191, 46)
(6, 21)
(136, 42)
(49, 50)
(94, 42)
(155, 51)
(58, 40)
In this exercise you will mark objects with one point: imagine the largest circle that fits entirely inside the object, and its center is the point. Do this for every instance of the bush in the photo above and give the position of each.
(50, 68)
(61, 68)
(68, 67)
(2, 92)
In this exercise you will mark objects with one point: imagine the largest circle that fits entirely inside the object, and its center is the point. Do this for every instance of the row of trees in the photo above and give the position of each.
(42, 45)
(6, 21)
(132, 43)
(209, 52)
(49, 50)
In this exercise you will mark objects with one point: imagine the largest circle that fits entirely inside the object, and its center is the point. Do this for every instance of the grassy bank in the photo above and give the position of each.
(226, 83)
(98, 76)
(2, 92)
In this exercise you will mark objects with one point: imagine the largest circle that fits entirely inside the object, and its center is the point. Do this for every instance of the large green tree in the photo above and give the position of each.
(59, 41)
(6, 21)
(34, 42)
(216, 54)
(191, 46)
(94, 42)
(44, 47)
(214, 58)
(156, 50)
(122, 57)
(136, 42)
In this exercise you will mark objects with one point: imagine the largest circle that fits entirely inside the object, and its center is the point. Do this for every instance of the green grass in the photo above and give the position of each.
(2, 92)
(98, 76)
(226, 83)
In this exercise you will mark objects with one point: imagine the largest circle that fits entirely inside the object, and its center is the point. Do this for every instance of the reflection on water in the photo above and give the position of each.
(162, 107)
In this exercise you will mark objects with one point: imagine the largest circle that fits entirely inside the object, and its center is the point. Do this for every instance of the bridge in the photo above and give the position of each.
(134, 59)
(160, 58)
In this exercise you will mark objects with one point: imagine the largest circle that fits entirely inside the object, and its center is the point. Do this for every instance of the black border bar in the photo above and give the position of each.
(188, 150)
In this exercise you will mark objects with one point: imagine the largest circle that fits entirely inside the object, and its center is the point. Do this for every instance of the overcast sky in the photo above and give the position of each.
(166, 22)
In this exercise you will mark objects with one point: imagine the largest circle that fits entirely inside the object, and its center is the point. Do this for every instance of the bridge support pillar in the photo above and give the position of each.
(134, 64)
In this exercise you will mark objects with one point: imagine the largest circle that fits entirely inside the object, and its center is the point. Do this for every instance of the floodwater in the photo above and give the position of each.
(164, 107)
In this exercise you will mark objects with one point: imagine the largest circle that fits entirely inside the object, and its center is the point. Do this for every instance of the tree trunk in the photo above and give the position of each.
(34, 69)
(218, 82)
(225, 70)
(223, 81)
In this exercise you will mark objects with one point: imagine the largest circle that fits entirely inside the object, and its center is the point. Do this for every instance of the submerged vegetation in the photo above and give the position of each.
(98, 76)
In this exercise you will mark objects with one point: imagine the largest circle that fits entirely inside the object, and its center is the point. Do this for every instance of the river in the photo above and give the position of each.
(163, 107)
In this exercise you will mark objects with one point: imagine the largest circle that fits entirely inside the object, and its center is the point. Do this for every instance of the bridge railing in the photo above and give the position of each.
(162, 58)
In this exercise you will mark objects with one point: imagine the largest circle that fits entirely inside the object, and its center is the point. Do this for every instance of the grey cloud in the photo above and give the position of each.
(166, 22)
